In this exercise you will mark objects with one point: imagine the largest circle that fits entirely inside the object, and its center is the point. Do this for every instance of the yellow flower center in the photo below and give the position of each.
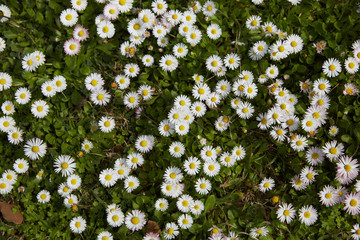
(213, 31)
(132, 70)
(253, 22)
(122, 2)
(2, 185)
(202, 186)
(322, 86)
(29, 62)
(107, 124)
(349, 91)
(351, 65)
(43, 196)
(108, 177)
(136, 26)
(121, 171)
(64, 165)
(35, 149)
(111, 11)
(279, 132)
(185, 221)
(182, 127)
(333, 150)
(201, 91)
(307, 214)
(347, 167)
(293, 44)
(143, 143)
(328, 195)
(176, 149)
(73, 181)
(77, 224)
(309, 123)
(192, 165)
(134, 160)
(173, 175)
(281, 48)
(168, 62)
(180, 50)
(170, 231)
(131, 99)
(264, 121)
(175, 16)
(316, 115)
(266, 185)
(131, 184)
(193, 35)
(309, 176)
(72, 46)
(245, 110)
(315, 155)
(286, 213)
(208, 153)
(211, 167)
(100, 97)
(298, 182)
(105, 29)
(299, 143)
(353, 202)
(332, 67)
(135, 220)
(259, 231)
(68, 17)
(168, 187)
(166, 127)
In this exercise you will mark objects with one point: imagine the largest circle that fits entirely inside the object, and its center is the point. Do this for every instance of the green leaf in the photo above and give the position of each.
(210, 203)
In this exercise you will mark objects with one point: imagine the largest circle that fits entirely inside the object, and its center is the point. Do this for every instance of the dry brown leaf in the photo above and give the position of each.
(152, 227)
(9, 215)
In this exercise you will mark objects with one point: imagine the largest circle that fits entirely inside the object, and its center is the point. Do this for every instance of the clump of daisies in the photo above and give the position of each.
(32, 61)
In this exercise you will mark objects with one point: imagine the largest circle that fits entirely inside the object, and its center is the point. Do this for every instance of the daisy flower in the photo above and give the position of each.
(333, 150)
(100, 97)
(193, 36)
(64, 164)
(295, 43)
(161, 204)
(8, 108)
(105, 235)
(131, 70)
(135, 220)
(64, 190)
(180, 50)
(350, 89)
(321, 100)
(35, 149)
(148, 60)
(73, 181)
(197, 208)
(43, 196)
(69, 17)
(314, 156)
(209, 8)
(177, 149)
(299, 143)
(352, 203)
(2, 44)
(213, 100)
(80, 33)
(79, 5)
(173, 175)
(208, 153)
(201, 91)
(60, 83)
(124, 5)
(134, 160)
(307, 175)
(211, 168)
(253, 22)
(245, 110)
(144, 143)
(122, 171)
(269, 28)
(202, 186)
(184, 203)
(87, 146)
(328, 196)
(192, 165)
(94, 82)
(184, 29)
(136, 27)
(72, 47)
(286, 212)
(107, 124)
(172, 190)
(39, 109)
(188, 17)
(21, 165)
(108, 177)
(214, 63)
(297, 183)
(5, 186)
(196, 7)
(266, 184)
(7, 124)
(310, 124)
(185, 221)
(105, 29)
(131, 183)
(356, 232)
(5, 81)
(321, 86)
(162, 42)
(166, 128)
(131, 100)
(272, 71)
(278, 133)
(29, 63)
(351, 65)
(346, 169)
(331, 67)
(263, 121)
(10, 175)
(115, 218)
(308, 215)
(168, 63)
(223, 88)
(256, 232)
(214, 31)
(111, 11)
(77, 224)
(122, 81)
(48, 89)
(171, 231)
